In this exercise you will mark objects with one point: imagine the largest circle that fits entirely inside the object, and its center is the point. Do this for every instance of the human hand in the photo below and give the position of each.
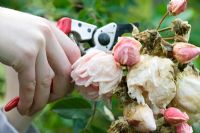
(39, 52)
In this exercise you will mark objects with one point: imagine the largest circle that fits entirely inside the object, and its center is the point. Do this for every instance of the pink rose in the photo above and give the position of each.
(184, 128)
(185, 52)
(127, 51)
(98, 72)
(175, 7)
(175, 116)
(90, 92)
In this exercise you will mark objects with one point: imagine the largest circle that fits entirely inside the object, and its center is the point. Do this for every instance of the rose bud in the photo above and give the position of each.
(183, 128)
(127, 51)
(175, 7)
(140, 117)
(185, 52)
(96, 73)
(175, 116)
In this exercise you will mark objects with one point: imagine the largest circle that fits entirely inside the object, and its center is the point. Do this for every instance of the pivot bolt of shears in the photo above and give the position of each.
(104, 39)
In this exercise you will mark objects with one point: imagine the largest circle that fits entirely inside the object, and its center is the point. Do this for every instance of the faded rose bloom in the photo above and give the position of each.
(90, 92)
(184, 128)
(140, 117)
(98, 72)
(176, 7)
(194, 118)
(152, 80)
(188, 91)
(185, 52)
(127, 51)
(175, 116)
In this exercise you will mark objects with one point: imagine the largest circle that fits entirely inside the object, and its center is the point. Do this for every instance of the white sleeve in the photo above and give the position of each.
(5, 126)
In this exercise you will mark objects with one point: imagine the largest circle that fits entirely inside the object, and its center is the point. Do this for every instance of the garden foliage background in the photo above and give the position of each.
(74, 110)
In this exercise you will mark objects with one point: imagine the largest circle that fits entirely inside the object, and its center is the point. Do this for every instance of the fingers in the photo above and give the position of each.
(61, 67)
(27, 88)
(71, 49)
(44, 76)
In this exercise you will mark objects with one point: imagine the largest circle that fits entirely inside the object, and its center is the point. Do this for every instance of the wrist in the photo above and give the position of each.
(19, 122)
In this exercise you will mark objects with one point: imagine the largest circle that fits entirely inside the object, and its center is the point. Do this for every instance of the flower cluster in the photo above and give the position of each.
(152, 76)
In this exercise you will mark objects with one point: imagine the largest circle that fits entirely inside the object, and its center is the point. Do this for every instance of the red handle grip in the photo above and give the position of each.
(65, 24)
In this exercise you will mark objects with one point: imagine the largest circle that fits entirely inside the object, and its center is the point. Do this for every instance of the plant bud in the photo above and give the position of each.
(176, 7)
(175, 116)
(140, 117)
(185, 52)
(184, 128)
(127, 51)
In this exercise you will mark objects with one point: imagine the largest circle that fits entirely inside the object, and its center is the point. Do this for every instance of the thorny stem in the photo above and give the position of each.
(92, 115)
(165, 29)
(163, 18)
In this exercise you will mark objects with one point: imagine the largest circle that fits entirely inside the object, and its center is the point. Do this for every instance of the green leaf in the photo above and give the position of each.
(61, 3)
(79, 124)
(72, 102)
(98, 129)
(73, 108)
(197, 63)
(196, 128)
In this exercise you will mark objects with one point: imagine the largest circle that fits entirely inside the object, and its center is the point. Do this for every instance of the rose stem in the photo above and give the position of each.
(92, 116)
(165, 29)
(163, 18)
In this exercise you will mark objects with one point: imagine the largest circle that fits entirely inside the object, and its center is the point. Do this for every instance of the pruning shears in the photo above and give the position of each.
(103, 38)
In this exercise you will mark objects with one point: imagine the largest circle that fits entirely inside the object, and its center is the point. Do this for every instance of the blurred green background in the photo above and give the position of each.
(98, 12)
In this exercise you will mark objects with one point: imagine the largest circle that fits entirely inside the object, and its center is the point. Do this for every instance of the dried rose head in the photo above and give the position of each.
(184, 128)
(119, 126)
(182, 30)
(175, 116)
(98, 71)
(185, 52)
(176, 7)
(140, 117)
(188, 91)
(127, 51)
(152, 80)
